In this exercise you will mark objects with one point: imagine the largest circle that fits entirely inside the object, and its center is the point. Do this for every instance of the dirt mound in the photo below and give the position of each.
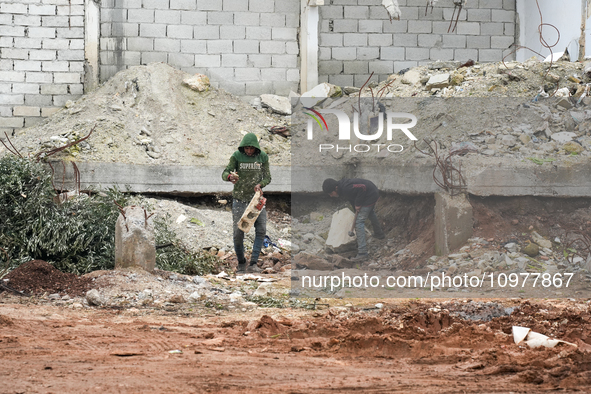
(145, 115)
(38, 277)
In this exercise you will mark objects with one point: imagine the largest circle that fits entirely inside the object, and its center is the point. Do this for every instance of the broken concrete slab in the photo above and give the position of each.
(563, 137)
(565, 103)
(412, 77)
(338, 239)
(543, 242)
(438, 81)
(134, 240)
(320, 93)
(278, 104)
(453, 222)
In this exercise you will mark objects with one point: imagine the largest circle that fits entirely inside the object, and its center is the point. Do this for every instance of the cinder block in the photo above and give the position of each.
(370, 26)
(27, 20)
(206, 32)
(209, 5)
(450, 14)
(468, 28)
(6, 19)
(105, 30)
(232, 32)
(14, 53)
(420, 26)
(453, 222)
(341, 80)
(23, 43)
(478, 42)
(503, 16)
(324, 53)
(409, 13)
(169, 45)
(219, 47)
(352, 67)
(27, 65)
(220, 74)
(12, 76)
(272, 47)
(275, 74)
(76, 44)
(153, 4)
(509, 5)
(194, 46)
(378, 12)
(501, 42)
(193, 18)
(140, 44)
(395, 26)
(491, 29)
(272, 20)
(42, 32)
(38, 100)
(11, 8)
(128, 3)
(479, 15)
(235, 5)
(260, 61)
(220, 18)
(77, 67)
(25, 88)
(441, 27)
(509, 29)
(78, 32)
(258, 33)
(355, 39)
(490, 55)
(113, 15)
(331, 40)
(77, 21)
(188, 4)
(331, 12)
(292, 20)
(6, 64)
(463, 55)
(154, 57)
(381, 67)
(284, 33)
(181, 60)
(247, 74)
(435, 15)
(55, 21)
(417, 53)
(287, 6)
(292, 48)
(76, 89)
(54, 89)
(130, 58)
(41, 77)
(259, 87)
(55, 43)
(441, 54)
(107, 71)
(491, 4)
(152, 30)
(48, 111)
(293, 75)
(207, 61)
(31, 121)
(36, 9)
(26, 111)
(16, 122)
(247, 18)
(284, 61)
(406, 40)
(380, 40)
(392, 53)
(68, 54)
(66, 78)
(140, 15)
(345, 26)
(168, 17)
(13, 31)
(234, 60)
(345, 53)
(179, 31)
(247, 46)
(368, 53)
(108, 57)
(430, 40)
(356, 12)
(326, 26)
(360, 79)
(235, 88)
(262, 6)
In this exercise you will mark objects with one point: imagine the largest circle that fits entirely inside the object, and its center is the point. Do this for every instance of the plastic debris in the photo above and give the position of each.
(534, 339)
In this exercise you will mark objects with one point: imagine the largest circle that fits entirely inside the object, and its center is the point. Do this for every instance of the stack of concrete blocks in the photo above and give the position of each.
(246, 47)
(41, 59)
(357, 37)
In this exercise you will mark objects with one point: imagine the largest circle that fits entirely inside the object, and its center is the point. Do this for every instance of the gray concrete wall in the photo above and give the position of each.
(357, 37)
(41, 59)
(246, 47)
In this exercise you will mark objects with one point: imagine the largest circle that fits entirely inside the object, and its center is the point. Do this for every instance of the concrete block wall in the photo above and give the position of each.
(41, 59)
(357, 37)
(247, 47)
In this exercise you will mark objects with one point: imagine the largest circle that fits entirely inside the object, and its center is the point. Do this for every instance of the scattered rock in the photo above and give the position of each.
(93, 297)
(541, 241)
(278, 104)
(197, 82)
(572, 147)
(531, 249)
(438, 81)
(134, 240)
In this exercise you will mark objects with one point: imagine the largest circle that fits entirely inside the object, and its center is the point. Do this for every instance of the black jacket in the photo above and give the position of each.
(359, 192)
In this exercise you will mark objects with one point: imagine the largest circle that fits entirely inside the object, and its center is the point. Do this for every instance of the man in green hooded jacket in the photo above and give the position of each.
(249, 171)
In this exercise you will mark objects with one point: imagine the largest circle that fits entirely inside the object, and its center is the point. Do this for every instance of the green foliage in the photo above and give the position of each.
(177, 257)
(77, 236)
(540, 161)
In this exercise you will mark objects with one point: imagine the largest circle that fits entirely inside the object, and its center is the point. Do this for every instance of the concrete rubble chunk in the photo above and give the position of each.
(565, 103)
(263, 290)
(134, 240)
(572, 147)
(278, 104)
(93, 297)
(338, 239)
(541, 241)
(438, 65)
(453, 222)
(563, 137)
(320, 93)
(438, 81)
(197, 82)
(411, 77)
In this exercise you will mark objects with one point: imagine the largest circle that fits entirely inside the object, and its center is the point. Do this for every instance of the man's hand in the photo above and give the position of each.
(233, 177)
(257, 188)
(357, 208)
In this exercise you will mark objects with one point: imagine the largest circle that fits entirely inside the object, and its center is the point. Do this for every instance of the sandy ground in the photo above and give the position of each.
(407, 345)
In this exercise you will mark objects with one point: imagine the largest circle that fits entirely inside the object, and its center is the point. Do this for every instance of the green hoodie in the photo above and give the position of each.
(252, 170)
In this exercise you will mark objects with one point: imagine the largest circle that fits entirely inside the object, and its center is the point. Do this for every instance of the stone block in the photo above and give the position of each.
(331, 40)
(392, 53)
(370, 26)
(42, 32)
(194, 46)
(179, 31)
(194, 18)
(479, 15)
(356, 12)
(284, 61)
(331, 12)
(378, 40)
(26, 111)
(501, 42)
(345, 26)
(152, 30)
(503, 16)
(25, 88)
(453, 222)
(232, 32)
(168, 17)
(338, 239)
(220, 18)
(206, 32)
(27, 20)
(478, 42)
(219, 47)
(134, 240)
(37, 9)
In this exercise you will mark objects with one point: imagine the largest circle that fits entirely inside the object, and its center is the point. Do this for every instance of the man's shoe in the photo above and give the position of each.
(379, 236)
(360, 257)
(253, 268)
(241, 269)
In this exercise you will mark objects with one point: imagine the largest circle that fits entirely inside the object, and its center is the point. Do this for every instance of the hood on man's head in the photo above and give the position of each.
(250, 139)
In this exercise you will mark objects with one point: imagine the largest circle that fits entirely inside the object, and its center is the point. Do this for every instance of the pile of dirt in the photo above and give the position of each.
(38, 277)
(146, 115)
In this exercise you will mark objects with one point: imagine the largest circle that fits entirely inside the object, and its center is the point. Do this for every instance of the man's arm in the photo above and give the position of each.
(232, 166)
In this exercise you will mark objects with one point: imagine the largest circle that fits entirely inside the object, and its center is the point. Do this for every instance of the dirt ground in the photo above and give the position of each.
(407, 345)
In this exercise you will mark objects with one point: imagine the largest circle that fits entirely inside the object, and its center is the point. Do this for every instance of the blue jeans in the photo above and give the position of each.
(260, 226)
(364, 214)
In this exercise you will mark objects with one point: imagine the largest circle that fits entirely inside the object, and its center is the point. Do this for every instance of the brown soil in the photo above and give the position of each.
(38, 277)
(406, 346)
